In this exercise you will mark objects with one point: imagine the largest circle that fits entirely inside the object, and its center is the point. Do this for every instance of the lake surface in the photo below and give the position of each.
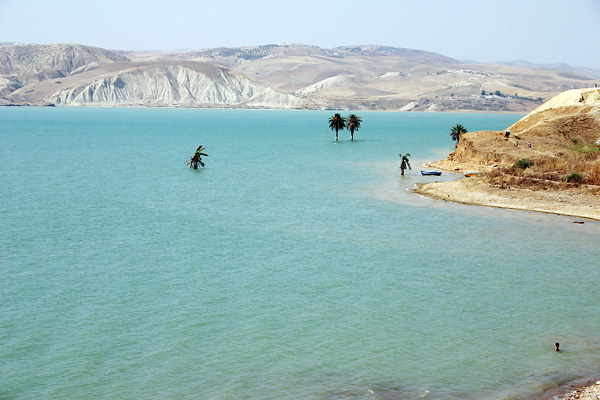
(291, 267)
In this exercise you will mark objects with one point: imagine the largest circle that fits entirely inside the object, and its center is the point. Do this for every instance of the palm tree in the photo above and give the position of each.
(197, 158)
(404, 163)
(337, 123)
(456, 132)
(353, 124)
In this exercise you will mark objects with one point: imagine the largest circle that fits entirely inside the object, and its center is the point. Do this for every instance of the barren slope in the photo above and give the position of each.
(184, 84)
(562, 142)
(347, 78)
(23, 65)
(378, 77)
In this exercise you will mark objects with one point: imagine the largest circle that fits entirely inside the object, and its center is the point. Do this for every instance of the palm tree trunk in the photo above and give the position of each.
(402, 171)
(336, 135)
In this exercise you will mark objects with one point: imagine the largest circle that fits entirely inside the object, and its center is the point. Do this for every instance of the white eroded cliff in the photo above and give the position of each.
(184, 84)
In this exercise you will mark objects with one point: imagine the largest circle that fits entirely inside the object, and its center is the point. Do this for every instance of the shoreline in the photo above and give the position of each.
(579, 389)
(475, 190)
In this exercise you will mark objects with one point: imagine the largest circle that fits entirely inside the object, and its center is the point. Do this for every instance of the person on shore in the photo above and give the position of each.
(507, 134)
(556, 346)
(529, 144)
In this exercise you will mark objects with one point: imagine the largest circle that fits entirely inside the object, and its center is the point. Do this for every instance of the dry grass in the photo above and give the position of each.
(551, 173)
(564, 142)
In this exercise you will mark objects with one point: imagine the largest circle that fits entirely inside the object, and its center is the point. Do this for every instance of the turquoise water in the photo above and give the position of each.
(291, 267)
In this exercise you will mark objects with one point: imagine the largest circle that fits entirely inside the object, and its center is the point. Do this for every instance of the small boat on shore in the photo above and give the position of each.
(431, 173)
(467, 174)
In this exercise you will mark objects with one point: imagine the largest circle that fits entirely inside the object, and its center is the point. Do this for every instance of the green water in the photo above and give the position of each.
(291, 267)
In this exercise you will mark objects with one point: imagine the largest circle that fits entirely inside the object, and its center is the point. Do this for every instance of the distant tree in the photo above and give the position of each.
(337, 123)
(353, 124)
(498, 93)
(196, 159)
(483, 92)
(456, 131)
(404, 163)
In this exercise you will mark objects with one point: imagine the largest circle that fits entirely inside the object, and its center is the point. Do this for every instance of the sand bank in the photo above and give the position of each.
(474, 190)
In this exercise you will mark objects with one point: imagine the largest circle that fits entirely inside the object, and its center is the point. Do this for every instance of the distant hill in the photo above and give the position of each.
(582, 71)
(81, 75)
(183, 84)
(363, 77)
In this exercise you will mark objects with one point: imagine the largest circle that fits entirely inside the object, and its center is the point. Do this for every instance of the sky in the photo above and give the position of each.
(538, 31)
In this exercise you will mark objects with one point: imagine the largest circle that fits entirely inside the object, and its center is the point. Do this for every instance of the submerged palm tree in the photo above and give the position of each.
(197, 158)
(353, 124)
(456, 132)
(337, 123)
(404, 163)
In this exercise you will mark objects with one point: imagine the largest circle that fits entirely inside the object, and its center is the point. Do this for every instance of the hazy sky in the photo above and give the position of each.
(540, 31)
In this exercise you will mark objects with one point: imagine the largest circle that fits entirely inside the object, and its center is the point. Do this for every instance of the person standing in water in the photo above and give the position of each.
(556, 346)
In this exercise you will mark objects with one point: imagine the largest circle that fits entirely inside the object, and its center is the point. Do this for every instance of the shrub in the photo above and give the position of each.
(523, 163)
(574, 177)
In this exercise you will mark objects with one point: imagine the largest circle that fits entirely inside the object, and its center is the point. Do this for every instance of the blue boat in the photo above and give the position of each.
(431, 173)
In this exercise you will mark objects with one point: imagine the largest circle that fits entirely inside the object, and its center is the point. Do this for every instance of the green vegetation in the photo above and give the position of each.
(196, 159)
(523, 163)
(456, 131)
(584, 148)
(574, 177)
(404, 163)
(353, 124)
(337, 123)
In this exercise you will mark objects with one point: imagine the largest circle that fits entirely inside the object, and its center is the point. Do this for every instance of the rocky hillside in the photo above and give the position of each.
(79, 75)
(343, 78)
(23, 65)
(560, 138)
(385, 78)
(549, 163)
(184, 84)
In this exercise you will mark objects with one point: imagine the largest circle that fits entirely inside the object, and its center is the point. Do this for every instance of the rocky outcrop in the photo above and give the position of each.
(189, 84)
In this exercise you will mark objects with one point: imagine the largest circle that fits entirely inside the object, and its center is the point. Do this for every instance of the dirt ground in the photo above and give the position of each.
(560, 143)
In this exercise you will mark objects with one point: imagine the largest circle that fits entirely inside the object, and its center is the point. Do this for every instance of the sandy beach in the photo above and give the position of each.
(591, 392)
(585, 389)
(474, 190)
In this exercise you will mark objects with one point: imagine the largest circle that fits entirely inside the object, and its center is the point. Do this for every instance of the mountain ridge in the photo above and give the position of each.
(357, 77)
